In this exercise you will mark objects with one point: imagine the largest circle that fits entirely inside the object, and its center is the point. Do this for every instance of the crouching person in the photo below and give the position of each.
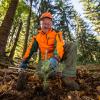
(51, 43)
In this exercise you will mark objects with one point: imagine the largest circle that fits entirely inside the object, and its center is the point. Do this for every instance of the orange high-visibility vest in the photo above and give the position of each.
(46, 42)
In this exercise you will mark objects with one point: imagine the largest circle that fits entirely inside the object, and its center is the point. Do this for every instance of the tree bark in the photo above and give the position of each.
(11, 37)
(15, 43)
(6, 25)
(27, 28)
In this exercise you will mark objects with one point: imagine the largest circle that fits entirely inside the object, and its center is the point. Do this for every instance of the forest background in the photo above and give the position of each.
(19, 20)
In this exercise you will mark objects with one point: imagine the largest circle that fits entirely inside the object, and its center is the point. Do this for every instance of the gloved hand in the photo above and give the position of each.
(23, 64)
(53, 62)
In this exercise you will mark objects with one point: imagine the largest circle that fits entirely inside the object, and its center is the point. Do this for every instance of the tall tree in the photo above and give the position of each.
(92, 12)
(87, 43)
(65, 14)
(21, 13)
(6, 25)
(15, 43)
(28, 27)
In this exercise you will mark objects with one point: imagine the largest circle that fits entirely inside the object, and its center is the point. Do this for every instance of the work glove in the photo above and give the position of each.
(23, 64)
(53, 62)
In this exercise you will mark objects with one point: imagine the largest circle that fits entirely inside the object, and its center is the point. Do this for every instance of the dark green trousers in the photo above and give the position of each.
(69, 60)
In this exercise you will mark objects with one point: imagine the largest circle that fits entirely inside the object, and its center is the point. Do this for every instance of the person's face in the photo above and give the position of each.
(46, 24)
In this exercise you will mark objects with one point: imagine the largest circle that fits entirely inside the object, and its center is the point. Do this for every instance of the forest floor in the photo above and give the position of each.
(88, 77)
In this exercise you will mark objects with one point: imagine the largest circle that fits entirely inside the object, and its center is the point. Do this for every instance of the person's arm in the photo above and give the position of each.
(33, 46)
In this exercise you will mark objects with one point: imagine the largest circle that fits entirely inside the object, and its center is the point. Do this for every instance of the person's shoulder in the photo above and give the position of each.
(35, 35)
(57, 31)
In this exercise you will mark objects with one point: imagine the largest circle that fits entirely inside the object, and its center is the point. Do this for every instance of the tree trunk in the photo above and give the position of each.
(6, 25)
(11, 37)
(15, 43)
(27, 28)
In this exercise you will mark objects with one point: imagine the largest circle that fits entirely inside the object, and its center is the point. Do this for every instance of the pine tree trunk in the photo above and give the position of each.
(11, 37)
(15, 44)
(6, 25)
(27, 29)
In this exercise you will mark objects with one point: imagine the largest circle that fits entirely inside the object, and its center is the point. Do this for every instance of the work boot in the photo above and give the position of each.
(52, 75)
(70, 83)
(22, 81)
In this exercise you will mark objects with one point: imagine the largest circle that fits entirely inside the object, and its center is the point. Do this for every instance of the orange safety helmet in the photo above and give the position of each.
(46, 15)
